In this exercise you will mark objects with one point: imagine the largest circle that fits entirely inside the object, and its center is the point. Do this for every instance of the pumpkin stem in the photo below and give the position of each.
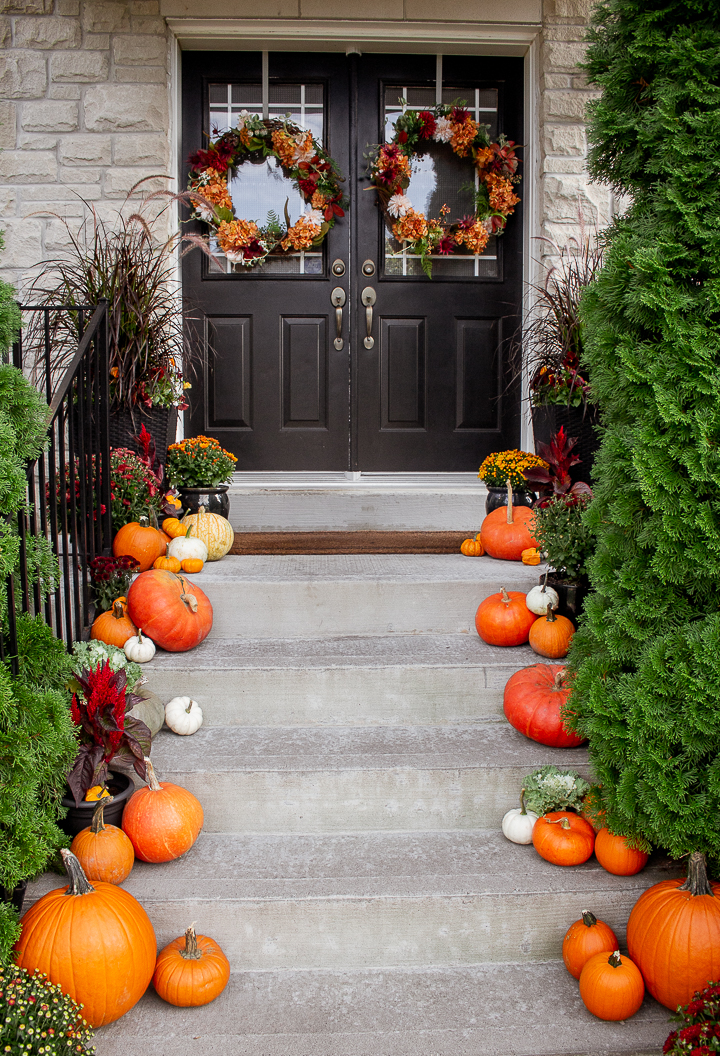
(144, 521)
(614, 959)
(697, 882)
(522, 802)
(201, 512)
(153, 518)
(509, 503)
(550, 614)
(562, 822)
(191, 601)
(139, 636)
(504, 595)
(544, 584)
(79, 883)
(117, 609)
(559, 675)
(589, 919)
(152, 780)
(191, 951)
(98, 821)
(187, 533)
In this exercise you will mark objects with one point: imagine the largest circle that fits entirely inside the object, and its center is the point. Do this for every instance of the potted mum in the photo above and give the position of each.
(503, 466)
(201, 471)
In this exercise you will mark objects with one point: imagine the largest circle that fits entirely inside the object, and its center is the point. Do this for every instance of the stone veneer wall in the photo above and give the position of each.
(85, 109)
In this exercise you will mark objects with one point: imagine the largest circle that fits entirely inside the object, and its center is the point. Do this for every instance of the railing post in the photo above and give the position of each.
(104, 425)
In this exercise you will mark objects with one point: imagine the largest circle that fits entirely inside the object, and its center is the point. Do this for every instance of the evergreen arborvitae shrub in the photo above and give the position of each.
(647, 657)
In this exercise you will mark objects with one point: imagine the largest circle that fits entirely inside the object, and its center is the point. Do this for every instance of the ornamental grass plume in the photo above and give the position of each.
(646, 658)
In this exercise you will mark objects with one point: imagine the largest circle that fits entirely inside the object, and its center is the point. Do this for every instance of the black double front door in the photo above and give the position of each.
(423, 380)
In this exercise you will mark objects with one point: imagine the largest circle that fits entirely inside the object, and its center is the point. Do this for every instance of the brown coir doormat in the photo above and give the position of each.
(348, 542)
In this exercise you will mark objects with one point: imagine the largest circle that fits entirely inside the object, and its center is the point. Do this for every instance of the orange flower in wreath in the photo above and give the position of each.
(235, 235)
(284, 146)
(301, 235)
(411, 227)
(474, 237)
(463, 134)
(502, 198)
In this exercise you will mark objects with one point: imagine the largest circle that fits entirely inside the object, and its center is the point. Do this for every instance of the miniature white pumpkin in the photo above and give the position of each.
(183, 715)
(214, 530)
(540, 598)
(139, 648)
(184, 546)
(518, 823)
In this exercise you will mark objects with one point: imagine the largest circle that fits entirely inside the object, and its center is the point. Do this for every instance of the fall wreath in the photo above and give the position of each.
(496, 166)
(300, 157)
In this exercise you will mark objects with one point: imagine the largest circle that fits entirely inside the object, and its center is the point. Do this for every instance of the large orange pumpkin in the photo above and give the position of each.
(174, 613)
(673, 935)
(94, 940)
(504, 618)
(140, 540)
(191, 970)
(551, 635)
(532, 703)
(563, 838)
(104, 851)
(615, 855)
(584, 939)
(114, 627)
(611, 986)
(163, 820)
(507, 531)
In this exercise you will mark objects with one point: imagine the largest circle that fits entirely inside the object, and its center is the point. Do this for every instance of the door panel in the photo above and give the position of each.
(304, 373)
(230, 374)
(402, 369)
(479, 380)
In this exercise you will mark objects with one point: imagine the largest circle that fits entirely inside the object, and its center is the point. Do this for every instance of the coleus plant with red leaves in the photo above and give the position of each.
(555, 481)
(107, 733)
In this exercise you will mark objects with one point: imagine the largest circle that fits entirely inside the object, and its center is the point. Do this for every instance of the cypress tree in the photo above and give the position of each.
(647, 657)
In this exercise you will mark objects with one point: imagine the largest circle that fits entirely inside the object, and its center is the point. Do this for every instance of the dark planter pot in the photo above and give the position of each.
(160, 422)
(577, 421)
(120, 787)
(572, 595)
(215, 500)
(497, 497)
(16, 897)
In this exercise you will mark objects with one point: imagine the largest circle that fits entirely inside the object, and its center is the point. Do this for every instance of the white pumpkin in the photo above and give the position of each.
(540, 598)
(139, 648)
(184, 546)
(183, 715)
(518, 824)
(214, 530)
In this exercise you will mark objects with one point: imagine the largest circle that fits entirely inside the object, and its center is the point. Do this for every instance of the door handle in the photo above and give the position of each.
(368, 299)
(338, 298)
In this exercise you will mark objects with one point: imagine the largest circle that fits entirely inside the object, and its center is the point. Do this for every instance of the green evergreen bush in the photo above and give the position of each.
(9, 313)
(647, 656)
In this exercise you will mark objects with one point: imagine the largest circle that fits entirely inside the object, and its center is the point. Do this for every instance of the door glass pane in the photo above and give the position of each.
(260, 188)
(438, 178)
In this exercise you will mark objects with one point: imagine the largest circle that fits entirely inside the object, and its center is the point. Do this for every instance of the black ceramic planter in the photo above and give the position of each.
(160, 422)
(120, 787)
(215, 500)
(497, 497)
(571, 595)
(16, 897)
(577, 421)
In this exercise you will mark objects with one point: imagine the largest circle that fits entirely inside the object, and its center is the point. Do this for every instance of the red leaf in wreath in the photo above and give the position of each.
(338, 211)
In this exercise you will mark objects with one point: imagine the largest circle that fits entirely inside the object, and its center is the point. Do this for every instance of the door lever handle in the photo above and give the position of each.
(368, 298)
(338, 298)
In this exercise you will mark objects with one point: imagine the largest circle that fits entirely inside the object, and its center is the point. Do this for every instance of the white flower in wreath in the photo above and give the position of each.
(399, 205)
(243, 118)
(314, 216)
(301, 152)
(443, 130)
(235, 256)
(204, 212)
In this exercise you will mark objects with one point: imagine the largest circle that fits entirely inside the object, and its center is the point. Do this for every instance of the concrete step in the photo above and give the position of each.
(478, 1010)
(287, 502)
(387, 680)
(377, 899)
(349, 779)
(326, 595)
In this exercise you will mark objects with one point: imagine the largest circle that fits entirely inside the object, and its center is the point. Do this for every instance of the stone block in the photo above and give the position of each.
(119, 181)
(23, 74)
(557, 80)
(233, 8)
(564, 165)
(363, 9)
(47, 33)
(41, 196)
(105, 16)
(73, 174)
(144, 7)
(70, 8)
(26, 7)
(564, 31)
(8, 201)
(566, 197)
(148, 149)
(5, 33)
(85, 150)
(50, 116)
(64, 91)
(576, 9)
(140, 24)
(564, 139)
(82, 67)
(570, 105)
(57, 237)
(140, 74)
(33, 142)
(8, 124)
(471, 10)
(139, 50)
(563, 55)
(97, 41)
(125, 108)
(23, 242)
(21, 166)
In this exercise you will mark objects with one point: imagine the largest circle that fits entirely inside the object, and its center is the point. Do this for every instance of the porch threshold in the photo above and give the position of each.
(338, 542)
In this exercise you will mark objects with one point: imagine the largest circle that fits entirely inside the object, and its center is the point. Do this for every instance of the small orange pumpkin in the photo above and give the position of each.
(114, 627)
(168, 562)
(191, 564)
(550, 635)
(611, 987)
(563, 838)
(530, 556)
(472, 547)
(616, 856)
(172, 527)
(191, 971)
(104, 851)
(140, 540)
(95, 793)
(584, 939)
(504, 618)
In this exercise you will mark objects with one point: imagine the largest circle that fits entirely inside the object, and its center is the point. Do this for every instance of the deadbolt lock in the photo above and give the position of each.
(368, 267)
(338, 267)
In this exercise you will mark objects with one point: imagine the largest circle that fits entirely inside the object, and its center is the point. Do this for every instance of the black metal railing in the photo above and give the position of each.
(68, 486)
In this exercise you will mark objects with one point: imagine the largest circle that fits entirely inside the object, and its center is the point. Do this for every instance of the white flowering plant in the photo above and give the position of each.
(549, 789)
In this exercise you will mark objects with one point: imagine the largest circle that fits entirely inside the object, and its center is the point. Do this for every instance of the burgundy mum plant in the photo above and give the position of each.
(700, 1033)
(109, 736)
